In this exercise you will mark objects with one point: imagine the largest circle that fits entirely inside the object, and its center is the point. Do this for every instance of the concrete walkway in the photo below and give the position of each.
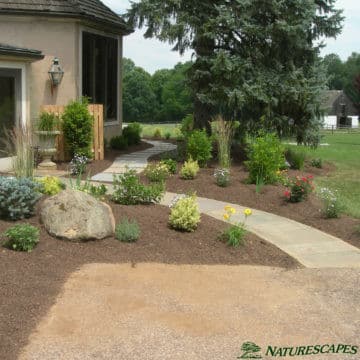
(311, 247)
(136, 160)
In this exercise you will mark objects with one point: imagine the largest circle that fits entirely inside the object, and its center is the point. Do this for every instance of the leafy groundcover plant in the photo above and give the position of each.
(22, 237)
(234, 235)
(127, 231)
(157, 172)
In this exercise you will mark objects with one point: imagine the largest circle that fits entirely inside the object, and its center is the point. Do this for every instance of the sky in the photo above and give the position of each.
(152, 54)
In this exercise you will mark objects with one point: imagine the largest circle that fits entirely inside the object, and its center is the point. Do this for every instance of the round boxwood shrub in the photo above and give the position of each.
(119, 142)
(77, 125)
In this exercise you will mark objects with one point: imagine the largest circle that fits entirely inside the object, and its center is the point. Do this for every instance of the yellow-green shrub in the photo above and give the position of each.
(185, 214)
(51, 185)
(189, 169)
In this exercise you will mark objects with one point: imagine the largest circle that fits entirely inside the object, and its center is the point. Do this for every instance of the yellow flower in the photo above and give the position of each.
(226, 216)
(232, 210)
(247, 212)
(228, 208)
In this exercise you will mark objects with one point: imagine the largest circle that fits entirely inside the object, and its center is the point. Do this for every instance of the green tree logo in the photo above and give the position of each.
(250, 349)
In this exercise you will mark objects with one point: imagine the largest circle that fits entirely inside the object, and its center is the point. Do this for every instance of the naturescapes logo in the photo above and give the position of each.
(252, 351)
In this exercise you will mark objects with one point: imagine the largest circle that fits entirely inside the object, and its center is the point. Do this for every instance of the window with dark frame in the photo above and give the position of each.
(100, 72)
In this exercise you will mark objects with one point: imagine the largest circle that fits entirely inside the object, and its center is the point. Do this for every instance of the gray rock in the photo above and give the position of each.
(76, 216)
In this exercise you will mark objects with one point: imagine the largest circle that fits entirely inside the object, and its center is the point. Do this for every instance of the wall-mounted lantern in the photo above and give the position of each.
(56, 73)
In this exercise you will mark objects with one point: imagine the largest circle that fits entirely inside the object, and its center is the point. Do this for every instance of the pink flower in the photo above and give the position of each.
(287, 193)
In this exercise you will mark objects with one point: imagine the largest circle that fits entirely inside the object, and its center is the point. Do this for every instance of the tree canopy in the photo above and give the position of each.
(253, 58)
(164, 96)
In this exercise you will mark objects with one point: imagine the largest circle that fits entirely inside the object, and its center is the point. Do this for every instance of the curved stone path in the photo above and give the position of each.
(311, 247)
(136, 160)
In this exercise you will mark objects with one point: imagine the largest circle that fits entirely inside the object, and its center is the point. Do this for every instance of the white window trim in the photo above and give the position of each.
(103, 33)
(22, 67)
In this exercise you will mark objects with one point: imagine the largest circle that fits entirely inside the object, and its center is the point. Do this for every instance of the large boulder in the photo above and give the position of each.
(76, 216)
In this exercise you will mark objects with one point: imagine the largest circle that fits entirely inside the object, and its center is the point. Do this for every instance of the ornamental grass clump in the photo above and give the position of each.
(21, 237)
(224, 131)
(189, 170)
(157, 172)
(127, 231)
(296, 157)
(234, 235)
(185, 214)
(331, 204)
(222, 177)
(299, 188)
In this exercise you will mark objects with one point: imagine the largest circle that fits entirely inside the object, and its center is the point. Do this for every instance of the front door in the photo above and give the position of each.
(10, 104)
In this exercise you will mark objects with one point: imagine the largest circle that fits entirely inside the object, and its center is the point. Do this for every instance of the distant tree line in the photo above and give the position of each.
(344, 75)
(161, 97)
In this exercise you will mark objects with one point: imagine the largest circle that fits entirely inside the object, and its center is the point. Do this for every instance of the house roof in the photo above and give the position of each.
(332, 101)
(15, 51)
(93, 10)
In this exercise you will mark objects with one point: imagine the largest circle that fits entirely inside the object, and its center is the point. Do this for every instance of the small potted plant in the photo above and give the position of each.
(47, 130)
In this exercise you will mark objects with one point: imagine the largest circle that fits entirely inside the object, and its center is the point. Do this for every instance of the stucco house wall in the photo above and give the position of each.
(60, 38)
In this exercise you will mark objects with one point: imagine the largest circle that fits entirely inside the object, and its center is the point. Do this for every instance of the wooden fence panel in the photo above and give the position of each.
(96, 110)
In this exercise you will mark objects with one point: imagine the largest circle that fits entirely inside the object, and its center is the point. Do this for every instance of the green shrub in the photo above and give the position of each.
(77, 124)
(18, 197)
(331, 204)
(199, 147)
(127, 231)
(132, 133)
(167, 135)
(156, 172)
(157, 133)
(22, 237)
(295, 157)
(266, 157)
(189, 170)
(187, 125)
(299, 188)
(129, 191)
(185, 214)
(316, 163)
(50, 185)
(119, 142)
(171, 165)
(222, 177)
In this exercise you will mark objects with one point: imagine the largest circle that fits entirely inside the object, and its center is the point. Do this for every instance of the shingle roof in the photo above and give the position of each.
(10, 50)
(93, 10)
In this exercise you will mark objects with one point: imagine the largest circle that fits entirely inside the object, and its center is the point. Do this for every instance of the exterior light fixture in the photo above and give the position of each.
(56, 73)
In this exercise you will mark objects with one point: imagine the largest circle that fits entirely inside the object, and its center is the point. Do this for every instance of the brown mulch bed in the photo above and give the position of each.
(99, 166)
(271, 199)
(30, 282)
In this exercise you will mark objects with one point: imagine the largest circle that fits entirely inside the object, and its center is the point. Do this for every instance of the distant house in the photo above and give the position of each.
(86, 38)
(339, 110)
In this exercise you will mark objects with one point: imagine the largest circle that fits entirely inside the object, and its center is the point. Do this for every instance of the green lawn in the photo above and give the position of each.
(149, 130)
(344, 153)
